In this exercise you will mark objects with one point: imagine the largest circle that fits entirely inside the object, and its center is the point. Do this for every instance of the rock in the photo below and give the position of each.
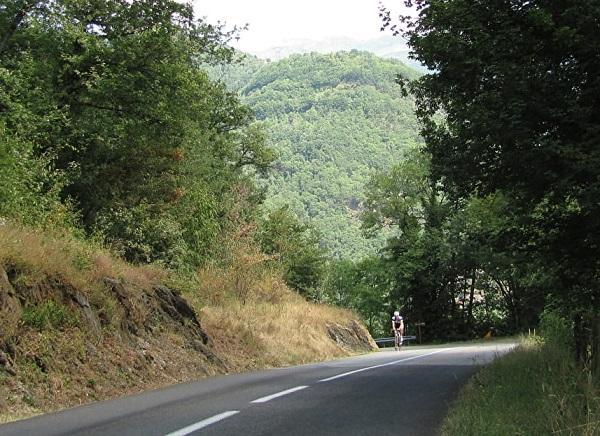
(212, 357)
(129, 323)
(10, 308)
(84, 305)
(143, 310)
(5, 364)
(352, 336)
(180, 310)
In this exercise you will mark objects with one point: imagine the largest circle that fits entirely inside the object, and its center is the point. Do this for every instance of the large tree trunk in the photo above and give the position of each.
(595, 339)
(579, 338)
(471, 298)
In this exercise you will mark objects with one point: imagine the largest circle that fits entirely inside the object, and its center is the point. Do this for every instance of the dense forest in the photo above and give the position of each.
(512, 164)
(333, 120)
(350, 175)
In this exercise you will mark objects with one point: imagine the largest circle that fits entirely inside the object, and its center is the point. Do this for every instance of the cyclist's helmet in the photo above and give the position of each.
(396, 313)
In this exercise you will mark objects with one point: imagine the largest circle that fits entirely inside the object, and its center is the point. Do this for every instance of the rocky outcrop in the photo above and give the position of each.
(136, 312)
(177, 308)
(351, 336)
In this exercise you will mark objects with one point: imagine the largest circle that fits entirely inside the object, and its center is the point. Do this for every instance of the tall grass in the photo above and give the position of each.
(253, 317)
(81, 263)
(538, 389)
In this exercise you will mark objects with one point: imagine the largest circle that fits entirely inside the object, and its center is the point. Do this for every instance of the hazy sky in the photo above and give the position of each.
(273, 21)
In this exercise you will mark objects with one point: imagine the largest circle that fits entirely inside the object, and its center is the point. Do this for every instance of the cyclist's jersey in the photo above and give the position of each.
(397, 320)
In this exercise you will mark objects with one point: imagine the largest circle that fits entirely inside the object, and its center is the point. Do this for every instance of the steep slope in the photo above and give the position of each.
(77, 324)
(334, 119)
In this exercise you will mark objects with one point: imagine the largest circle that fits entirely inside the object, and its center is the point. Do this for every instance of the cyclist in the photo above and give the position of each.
(398, 327)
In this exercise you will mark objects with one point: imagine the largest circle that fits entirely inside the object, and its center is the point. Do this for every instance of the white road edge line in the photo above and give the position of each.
(278, 394)
(204, 423)
(382, 365)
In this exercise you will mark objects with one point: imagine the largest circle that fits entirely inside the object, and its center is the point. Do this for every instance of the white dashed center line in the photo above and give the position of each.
(345, 374)
(221, 416)
(278, 394)
(204, 423)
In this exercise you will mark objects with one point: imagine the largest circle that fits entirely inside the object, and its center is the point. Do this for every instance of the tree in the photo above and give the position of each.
(451, 264)
(117, 101)
(364, 286)
(517, 85)
(419, 253)
(296, 247)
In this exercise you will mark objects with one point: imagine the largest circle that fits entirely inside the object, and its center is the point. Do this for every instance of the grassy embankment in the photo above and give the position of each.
(537, 389)
(56, 360)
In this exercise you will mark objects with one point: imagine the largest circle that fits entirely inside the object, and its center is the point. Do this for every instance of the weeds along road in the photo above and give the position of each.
(386, 392)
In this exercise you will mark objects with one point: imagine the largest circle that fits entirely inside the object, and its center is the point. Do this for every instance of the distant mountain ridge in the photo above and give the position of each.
(385, 46)
(334, 120)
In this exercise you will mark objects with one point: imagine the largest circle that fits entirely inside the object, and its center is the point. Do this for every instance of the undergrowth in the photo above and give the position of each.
(49, 314)
(538, 389)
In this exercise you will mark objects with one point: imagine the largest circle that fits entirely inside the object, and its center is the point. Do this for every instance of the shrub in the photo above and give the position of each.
(555, 330)
(48, 314)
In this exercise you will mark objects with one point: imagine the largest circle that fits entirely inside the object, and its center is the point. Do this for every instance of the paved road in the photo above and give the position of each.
(387, 392)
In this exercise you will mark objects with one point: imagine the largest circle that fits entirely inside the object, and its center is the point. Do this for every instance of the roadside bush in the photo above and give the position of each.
(29, 187)
(143, 234)
(555, 330)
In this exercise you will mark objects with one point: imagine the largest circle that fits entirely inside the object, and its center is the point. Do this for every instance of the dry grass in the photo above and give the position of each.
(259, 335)
(253, 319)
(78, 263)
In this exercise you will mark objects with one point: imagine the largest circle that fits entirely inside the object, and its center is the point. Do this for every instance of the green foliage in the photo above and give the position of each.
(527, 129)
(49, 314)
(297, 248)
(23, 177)
(146, 147)
(364, 286)
(332, 120)
(144, 235)
(450, 263)
(30, 185)
(418, 253)
(555, 330)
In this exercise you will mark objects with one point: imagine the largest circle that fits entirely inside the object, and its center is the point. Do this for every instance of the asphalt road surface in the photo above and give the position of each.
(386, 392)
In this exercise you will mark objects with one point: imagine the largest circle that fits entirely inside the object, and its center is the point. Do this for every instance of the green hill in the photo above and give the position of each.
(385, 46)
(333, 119)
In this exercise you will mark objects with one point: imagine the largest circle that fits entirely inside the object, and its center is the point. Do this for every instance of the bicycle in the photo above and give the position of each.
(397, 339)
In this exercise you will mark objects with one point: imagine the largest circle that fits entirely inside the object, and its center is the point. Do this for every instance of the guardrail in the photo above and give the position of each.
(382, 341)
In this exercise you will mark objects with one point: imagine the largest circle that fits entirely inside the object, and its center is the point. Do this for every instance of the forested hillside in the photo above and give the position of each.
(333, 120)
(385, 46)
